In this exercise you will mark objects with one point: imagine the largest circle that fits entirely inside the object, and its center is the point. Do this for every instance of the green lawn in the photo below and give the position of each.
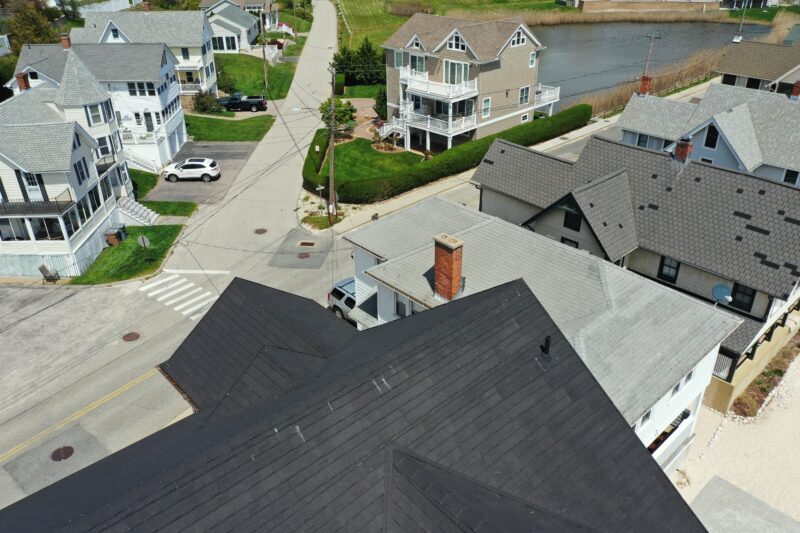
(173, 209)
(296, 48)
(247, 73)
(217, 129)
(298, 24)
(362, 91)
(129, 260)
(143, 182)
(320, 222)
(759, 14)
(358, 160)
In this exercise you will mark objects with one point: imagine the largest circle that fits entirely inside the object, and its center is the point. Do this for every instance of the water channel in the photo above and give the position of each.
(581, 58)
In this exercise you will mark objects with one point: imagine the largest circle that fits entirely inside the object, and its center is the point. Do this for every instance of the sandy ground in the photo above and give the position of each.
(760, 456)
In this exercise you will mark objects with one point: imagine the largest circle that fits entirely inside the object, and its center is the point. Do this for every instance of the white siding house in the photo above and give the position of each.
(233, 28)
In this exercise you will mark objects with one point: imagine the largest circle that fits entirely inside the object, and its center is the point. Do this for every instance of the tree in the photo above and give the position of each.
(28, 25)
(380, 103)
(206, 103)
(344, 113)
(370, 68)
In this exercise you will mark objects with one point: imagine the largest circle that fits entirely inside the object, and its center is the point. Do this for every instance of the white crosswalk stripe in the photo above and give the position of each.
(180, 294)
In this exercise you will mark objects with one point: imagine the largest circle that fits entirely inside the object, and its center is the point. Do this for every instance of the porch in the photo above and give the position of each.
(419, 83)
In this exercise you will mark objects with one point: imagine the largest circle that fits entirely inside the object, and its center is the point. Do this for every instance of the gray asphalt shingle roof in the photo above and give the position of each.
(765, 61)
(48, 59)
(78, 86)
(637, 337)
(31, 107)
(447, 420)
(749, 224)
(768, 121)
(174, 28)
(38, 147)
(223, 23)
(237, 16)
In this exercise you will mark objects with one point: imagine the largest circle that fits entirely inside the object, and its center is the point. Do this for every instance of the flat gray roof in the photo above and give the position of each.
(637, 337)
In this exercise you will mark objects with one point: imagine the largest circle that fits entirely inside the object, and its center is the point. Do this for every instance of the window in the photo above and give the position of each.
(676, 389)
(532, 60)
(399, 306)
(132, 89)
(138, 117)
(13, 229)
(94, 198)
(151, 89)
(208, 72)
(163, 58)
(688, 377)
(417, 63)
(142, 89)
(30, 181)
(203, 50)
(455, 42)
(753, 83)
(518, 39)
(32, 74)
(415, 43)
(572, 220)
(486, 107)
(707, 160)
(668, 269)
(728, 79)
(104, 147)
(94, 114)
(71, 222)
(790, 177)
(76, 142)
(84, 213)
(217, 43)
(455, 72)
(79, 172)
(712, 136)
(106, 186)
(185, 53)
(524, 118)
(398, 58)
(524, 95)
(211, 66)
(743, 297)
(115, 33)
(570, 242)
(645, 418)
(230, 43)
(158, 118)
(642, 140)
(190, 77)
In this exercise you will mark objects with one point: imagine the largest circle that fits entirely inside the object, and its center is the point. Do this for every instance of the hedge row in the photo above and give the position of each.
(453, 161)
(314, 159)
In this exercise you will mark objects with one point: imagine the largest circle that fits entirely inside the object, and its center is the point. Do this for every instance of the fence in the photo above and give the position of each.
(108, 6)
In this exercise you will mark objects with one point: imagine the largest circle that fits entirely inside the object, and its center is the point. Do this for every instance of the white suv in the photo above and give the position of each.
(192, 168)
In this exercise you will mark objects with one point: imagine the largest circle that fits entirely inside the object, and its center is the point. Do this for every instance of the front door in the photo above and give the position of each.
(148, 121)
(32, 187)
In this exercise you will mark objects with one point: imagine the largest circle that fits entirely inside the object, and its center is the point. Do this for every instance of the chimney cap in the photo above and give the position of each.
(448, 241)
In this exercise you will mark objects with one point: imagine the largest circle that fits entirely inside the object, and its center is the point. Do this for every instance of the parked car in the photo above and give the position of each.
(238, 102)
(342, 298)
(192, 168)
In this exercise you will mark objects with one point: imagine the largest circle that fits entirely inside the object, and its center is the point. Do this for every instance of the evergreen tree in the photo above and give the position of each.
(380, 103)
(28, 25)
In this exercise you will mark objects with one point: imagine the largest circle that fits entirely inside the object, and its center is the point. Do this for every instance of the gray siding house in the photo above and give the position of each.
(449, 80)
(762, 66)
(731, 127)
(702, 230)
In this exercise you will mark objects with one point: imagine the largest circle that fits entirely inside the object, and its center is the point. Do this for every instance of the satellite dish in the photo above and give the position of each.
(721, 293)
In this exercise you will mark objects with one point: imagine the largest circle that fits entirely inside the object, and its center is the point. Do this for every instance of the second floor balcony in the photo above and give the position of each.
(53, 206)
(104, 163)
(419, 83)
(546, 95)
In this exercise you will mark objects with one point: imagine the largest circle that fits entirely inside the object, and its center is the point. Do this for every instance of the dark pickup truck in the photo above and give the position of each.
(238, 102)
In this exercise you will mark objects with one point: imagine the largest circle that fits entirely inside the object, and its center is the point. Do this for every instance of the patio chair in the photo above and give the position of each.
(48, 275)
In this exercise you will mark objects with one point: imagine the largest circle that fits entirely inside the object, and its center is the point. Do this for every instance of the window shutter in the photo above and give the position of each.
(21, 185)
(40, 181)
(3, 195)
(88, 118)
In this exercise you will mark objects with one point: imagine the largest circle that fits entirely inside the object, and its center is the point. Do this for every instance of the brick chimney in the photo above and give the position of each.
(644, 88)
(795, 91)
(146, 6)
(66, 42)
(447, 265)
(683, 149)
(22, 81)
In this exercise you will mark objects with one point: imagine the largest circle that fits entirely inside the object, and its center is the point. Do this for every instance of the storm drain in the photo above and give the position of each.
(304, 255)
(130, 337)
(260, 231)
(307, 243)
(62, 454)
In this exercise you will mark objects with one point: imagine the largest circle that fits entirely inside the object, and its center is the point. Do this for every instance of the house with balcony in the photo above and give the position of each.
(731, 127)
(233, 28)
(761, 66)
(437, 253)
(720, 236)
(63, 176)
(143, 84)
(186, 33)
(450, 80)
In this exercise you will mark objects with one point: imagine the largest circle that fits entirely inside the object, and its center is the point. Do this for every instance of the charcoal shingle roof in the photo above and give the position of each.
(458, 402)
(765, 61)
(735, 225)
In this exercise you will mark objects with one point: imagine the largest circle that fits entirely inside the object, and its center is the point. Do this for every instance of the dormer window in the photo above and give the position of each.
(456, 43)
(115, 33)
(415, 43)
(518, 39)
(32, 74)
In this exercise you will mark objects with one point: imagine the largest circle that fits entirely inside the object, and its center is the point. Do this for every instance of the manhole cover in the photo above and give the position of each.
(307, 243)
(62, 453)
(564, 138)
(130, 337)
(260, 231)
(304, 255)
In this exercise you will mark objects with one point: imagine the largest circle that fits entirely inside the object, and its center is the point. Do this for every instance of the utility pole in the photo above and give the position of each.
(331, 151)
(264, 49)
(649, 52)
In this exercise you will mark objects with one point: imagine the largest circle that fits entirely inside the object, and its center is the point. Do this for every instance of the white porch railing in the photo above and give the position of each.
(546, 95)
(418, 82)
(137, 161)
(447, 127)
(191, 87)
(132, 137)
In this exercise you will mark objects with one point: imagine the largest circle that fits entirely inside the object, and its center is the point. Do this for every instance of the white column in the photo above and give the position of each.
(29, 228)
(449, 142)
(64, 231)
(427, 140)
(550, 110)
(449, 114)
(407, 138)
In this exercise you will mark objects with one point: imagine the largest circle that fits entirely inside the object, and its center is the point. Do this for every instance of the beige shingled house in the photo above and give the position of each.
(450, 80)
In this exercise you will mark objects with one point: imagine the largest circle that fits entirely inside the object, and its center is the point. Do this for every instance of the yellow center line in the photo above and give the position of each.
(78, 414)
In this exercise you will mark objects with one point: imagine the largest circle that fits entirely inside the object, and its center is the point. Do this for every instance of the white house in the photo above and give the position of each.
(232, 27)
(732, 127)
(655, 371)
(142, 81)
(63, 177)
(186, 33)
(5, 46)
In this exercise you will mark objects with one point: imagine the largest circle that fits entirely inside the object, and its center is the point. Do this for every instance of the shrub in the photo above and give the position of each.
(206, 103)
(450, 162)
(380, 103)
(745, 405)
(314, 160)
(225, 82)
(343, 112)
(339, 85)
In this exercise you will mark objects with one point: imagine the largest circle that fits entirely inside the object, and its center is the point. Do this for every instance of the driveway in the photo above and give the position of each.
(231, 157)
